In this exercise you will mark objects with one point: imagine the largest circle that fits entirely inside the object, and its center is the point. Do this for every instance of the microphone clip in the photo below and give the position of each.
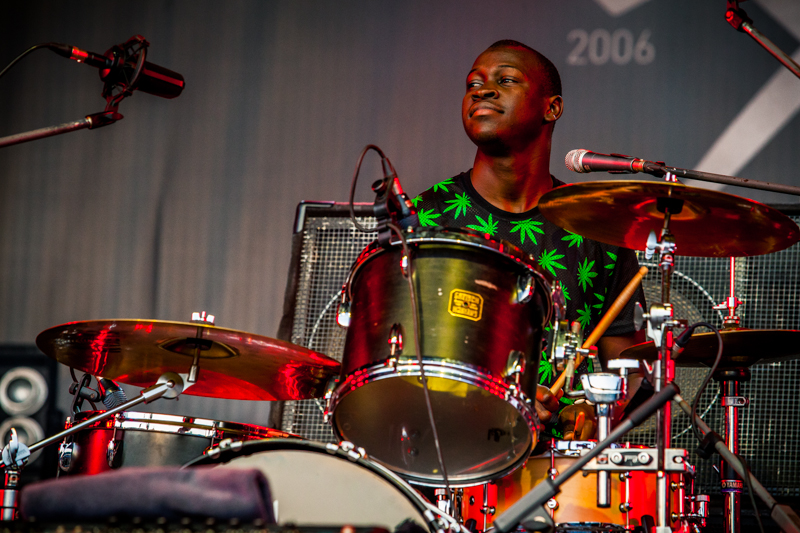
(391, 206)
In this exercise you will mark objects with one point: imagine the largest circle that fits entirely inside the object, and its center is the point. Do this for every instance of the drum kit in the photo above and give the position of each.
(465, 351)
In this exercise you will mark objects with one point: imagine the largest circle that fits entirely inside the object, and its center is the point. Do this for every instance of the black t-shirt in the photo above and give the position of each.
(591, 273)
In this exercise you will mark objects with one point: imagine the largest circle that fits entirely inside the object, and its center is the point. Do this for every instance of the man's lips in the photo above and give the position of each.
(483, 108)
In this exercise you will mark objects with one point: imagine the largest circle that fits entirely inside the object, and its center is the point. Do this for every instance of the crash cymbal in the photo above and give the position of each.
(233, 364)
(709, 223)
(741, 348)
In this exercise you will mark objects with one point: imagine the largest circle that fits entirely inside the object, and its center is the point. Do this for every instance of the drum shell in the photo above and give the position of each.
(152, 439)
(380, 299)
(577, 500)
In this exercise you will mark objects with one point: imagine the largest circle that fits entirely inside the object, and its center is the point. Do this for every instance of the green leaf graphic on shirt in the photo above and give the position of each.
(427, 218)
(549, 260)
(566, 293)
(585, 273)
(545, 371)
(599, 306)
(585, 316)
(527, 228)
(613, 262)
(573, 239)
(485, 226)
(460, 204)
(416, 200)
(443, 185)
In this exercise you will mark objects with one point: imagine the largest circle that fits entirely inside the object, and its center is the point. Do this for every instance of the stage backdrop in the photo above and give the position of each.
(187, 204)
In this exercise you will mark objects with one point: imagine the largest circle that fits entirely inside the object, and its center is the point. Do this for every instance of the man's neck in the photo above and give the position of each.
(513, 182)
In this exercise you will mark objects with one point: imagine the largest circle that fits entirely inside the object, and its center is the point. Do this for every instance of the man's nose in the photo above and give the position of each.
(486, 91)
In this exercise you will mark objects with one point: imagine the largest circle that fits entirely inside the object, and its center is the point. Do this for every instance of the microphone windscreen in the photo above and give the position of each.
(573, 160)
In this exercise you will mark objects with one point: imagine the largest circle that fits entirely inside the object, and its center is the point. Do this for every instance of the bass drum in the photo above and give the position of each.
(314, 484)
(482, 307)
(147, 439)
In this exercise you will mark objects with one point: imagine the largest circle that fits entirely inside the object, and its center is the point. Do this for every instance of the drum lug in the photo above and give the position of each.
(68, 453)
(395, 343)
(552, 504)
(524, 288)
(515, 366)
(113, 448)
(330, 388)
(343, 312)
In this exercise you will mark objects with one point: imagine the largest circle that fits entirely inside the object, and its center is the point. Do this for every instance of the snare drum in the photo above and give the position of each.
(147, 439)
(482, 307)
(633, 495)
(315, 484)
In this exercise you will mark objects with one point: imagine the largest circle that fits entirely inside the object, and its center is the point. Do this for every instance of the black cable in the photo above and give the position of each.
(409, 274)
(708, 377)
(356, 223)
(749, 483)
(23, 54)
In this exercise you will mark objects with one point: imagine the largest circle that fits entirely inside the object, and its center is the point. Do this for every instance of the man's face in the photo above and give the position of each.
(504, 105)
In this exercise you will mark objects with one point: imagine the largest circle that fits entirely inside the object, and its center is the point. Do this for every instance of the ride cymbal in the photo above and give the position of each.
(742, 348)
(704, 223)
(232, 364)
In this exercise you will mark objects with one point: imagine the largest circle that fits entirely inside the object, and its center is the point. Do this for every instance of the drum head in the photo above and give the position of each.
(390, 419)
(315, 485)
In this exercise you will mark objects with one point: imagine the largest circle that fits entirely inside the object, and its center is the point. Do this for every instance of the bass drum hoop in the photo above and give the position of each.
(345, 451)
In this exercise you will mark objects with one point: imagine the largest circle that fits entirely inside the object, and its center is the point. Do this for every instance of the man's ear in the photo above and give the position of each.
(555, 106)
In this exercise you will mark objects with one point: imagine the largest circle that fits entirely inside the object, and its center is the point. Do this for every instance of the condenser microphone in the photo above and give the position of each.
(117, 66)
(585, 161)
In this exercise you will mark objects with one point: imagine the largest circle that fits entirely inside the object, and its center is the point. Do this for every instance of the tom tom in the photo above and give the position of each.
(147, 439)
(482, 308)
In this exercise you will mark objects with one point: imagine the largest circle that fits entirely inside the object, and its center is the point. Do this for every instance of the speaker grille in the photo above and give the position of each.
(769, 285)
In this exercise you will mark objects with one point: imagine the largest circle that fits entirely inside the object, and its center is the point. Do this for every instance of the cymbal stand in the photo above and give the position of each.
(732, 483)
(660, 323)
(15, 454)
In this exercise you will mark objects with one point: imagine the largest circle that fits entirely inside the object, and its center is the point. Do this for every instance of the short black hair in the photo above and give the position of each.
(552, 79)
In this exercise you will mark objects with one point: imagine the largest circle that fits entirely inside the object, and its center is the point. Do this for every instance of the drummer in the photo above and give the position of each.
(512, 102)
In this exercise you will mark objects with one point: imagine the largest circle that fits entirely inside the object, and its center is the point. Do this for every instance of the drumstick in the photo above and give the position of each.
(602, 326)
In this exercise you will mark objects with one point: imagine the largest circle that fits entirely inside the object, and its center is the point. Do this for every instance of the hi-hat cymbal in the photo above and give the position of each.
(709, 224)
(742, 348)
(232, 364)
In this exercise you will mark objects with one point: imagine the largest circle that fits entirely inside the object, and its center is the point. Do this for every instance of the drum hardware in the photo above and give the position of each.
(530, 506)
(16, 454)
(786, 518)
(475, 363)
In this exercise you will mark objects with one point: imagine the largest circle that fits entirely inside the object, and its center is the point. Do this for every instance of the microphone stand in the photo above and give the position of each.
(737, 18)
(660, 170)
(783, 515)
(529, 511)
(96, 120)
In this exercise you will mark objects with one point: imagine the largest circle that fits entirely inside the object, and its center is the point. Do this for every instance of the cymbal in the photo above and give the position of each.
(741, 348)
(232, 364)
(709, 224)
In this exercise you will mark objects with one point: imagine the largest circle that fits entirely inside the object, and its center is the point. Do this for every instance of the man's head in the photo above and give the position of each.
(513, 97)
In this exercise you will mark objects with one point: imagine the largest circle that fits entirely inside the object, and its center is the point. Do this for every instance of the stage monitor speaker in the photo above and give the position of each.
(28, 389)
(325, 245)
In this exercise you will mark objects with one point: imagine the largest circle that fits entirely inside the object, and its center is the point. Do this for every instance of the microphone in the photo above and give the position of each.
(585, 161)
(113, 395)
(117, 66)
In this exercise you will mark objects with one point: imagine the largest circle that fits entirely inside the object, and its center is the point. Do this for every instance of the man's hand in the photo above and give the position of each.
(577, 422)
(546, 404)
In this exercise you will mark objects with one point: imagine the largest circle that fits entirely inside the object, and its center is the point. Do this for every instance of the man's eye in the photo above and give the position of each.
(507, 80)
(473, 84)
